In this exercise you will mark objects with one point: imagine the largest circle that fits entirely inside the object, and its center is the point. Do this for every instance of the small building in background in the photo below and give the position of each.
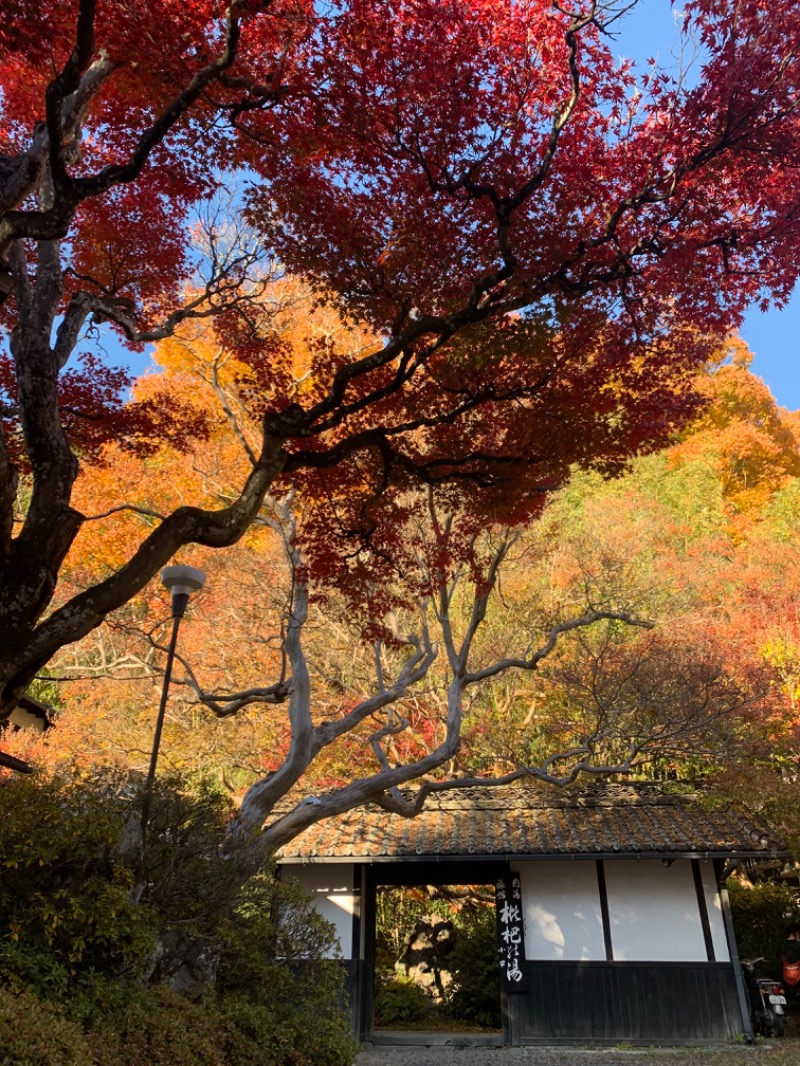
(31, 714)
(28, 714)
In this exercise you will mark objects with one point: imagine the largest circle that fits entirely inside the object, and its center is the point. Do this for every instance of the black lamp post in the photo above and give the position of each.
(181, 581)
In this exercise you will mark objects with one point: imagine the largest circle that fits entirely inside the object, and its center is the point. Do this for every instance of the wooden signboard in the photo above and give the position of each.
(510, 933)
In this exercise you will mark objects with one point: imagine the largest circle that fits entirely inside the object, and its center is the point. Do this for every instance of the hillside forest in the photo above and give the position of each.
(647, 622)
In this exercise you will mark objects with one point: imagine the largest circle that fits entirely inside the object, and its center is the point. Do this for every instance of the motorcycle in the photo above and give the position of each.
(767, 1001)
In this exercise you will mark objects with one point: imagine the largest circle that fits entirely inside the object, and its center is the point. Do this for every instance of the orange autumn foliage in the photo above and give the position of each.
(751, 444)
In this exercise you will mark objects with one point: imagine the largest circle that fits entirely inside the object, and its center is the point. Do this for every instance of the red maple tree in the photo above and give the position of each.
(541, 239)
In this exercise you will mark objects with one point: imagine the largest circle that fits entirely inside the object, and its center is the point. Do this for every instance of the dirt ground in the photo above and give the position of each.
(781, 1053)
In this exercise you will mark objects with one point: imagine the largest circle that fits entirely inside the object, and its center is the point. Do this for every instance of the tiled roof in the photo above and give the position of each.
(493, 823)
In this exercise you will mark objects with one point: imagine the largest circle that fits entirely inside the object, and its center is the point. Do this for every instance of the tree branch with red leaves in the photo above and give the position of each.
(527, 228)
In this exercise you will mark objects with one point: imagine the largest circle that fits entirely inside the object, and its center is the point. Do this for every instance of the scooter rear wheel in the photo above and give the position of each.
(778, 1025)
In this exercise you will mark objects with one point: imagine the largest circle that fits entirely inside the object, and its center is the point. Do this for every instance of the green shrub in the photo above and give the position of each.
(73, 932)
(762, 916)
(271, 927)
(156, 1027)
(65, 897)
(34, 1033)
(474, 995)
(399, 1003)
(311, 1034)
(274, 980)
(186, 882)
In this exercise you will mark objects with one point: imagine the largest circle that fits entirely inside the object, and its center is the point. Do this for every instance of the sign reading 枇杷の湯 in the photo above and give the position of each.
(510, 933)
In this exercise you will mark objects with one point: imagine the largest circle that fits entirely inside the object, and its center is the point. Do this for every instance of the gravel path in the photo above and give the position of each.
(785, 1054)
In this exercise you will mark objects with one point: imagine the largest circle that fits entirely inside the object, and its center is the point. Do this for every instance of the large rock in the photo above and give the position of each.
(186, 963)
(424, 958)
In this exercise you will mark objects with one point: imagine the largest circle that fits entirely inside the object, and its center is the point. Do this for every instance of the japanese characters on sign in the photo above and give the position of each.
(510, 933)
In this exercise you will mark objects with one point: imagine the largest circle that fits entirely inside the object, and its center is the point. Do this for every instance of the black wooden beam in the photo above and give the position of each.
(603, 893)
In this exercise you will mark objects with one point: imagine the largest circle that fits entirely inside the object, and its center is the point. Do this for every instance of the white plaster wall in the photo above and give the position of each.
(332, 887)
(561, 904)
(653, 912)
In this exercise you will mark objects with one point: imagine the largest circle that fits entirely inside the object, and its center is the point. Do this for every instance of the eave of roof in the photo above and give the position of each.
(512, 824)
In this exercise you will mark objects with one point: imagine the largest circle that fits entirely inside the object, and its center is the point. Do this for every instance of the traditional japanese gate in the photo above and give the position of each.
(613, 923)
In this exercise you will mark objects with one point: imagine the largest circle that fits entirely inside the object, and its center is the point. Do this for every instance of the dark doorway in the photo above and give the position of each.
(432, 969)
(436, 959)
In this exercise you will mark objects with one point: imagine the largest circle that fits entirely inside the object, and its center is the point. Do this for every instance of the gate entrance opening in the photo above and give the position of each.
(436, 960)
(445, 998)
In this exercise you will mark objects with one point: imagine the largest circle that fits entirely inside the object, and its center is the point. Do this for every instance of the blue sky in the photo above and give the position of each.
(774, 337)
